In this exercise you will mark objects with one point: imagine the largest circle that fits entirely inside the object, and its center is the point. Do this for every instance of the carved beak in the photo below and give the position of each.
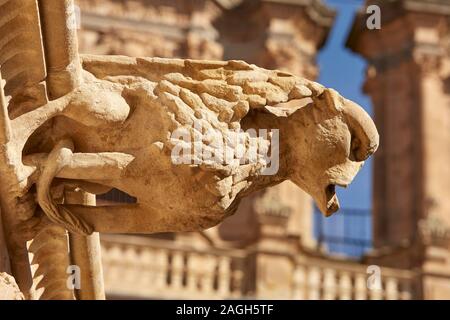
(341, 176)
(363, 128)
(328, 201)
(331, 200)
(359, 122)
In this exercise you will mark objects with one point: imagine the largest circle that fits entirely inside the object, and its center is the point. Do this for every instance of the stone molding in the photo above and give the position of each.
(393, 10)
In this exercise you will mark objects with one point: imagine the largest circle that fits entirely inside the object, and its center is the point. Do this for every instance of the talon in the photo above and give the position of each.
(60, 157)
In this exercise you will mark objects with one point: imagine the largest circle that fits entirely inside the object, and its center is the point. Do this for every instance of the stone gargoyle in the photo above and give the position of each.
(100, 122)
(116, 131)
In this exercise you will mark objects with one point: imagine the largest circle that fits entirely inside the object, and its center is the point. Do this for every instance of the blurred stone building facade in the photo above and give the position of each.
(408, 79)
(267, 249)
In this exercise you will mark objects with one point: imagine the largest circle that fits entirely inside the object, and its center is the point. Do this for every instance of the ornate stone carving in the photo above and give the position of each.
(434, 231)
(101, 122)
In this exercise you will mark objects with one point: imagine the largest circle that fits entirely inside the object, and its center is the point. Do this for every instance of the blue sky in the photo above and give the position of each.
(344, 71)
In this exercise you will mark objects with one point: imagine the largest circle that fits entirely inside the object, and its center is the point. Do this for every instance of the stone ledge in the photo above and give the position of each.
(318, 11)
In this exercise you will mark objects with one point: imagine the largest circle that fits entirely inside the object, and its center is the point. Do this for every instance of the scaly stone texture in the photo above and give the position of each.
(112, 108)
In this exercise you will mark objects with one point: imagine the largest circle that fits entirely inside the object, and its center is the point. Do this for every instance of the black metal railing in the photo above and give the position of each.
(116, 196)
(349, 232)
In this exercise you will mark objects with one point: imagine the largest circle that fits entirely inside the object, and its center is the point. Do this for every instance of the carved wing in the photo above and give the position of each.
(229, 82)
(215, 94)
(211, 97)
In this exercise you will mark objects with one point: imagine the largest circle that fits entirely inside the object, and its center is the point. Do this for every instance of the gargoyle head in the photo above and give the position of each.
(328, 141)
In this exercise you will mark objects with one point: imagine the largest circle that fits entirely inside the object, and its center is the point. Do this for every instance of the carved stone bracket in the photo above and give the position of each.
(435, 232)
(271, 210)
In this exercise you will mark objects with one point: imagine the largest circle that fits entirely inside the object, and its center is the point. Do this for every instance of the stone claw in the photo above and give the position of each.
(58, 158)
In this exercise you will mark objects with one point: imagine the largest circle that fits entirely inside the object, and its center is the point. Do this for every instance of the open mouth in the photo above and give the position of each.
(332, 200)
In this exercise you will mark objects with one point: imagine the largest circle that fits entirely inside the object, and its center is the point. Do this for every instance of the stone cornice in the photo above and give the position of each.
(101, 22)
(435, 232)
(317, 16)
(441, 7)
(316, 9)
(228, 4)
(323, 14)
(427, 56)
(392, 10)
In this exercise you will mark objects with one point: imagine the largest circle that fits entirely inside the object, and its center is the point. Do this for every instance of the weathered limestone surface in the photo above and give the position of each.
(218, 95)
(99, 122)
(8, 288)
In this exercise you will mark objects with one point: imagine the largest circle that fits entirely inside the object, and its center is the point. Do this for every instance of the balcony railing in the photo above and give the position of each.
(140, 267)
(348, 232)
(144, 267)
(333, 279)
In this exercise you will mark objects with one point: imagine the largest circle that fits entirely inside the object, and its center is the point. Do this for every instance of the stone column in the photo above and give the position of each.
(274, 250)
(85, 252)
(409, 66)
